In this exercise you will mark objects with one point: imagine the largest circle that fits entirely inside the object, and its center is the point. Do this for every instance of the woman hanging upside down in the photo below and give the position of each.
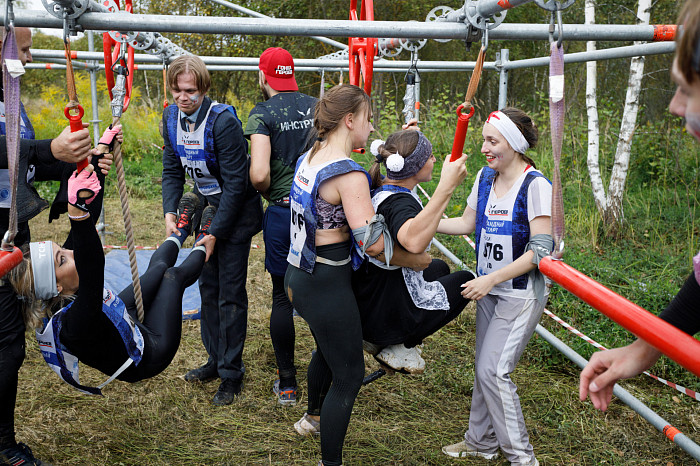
(80, 320)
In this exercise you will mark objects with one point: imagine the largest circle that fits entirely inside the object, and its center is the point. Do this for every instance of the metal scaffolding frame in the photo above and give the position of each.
(485, 16)
(335, 28)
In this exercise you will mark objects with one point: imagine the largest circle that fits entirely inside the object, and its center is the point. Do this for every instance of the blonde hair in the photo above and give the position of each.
(336, 103)
(189, 64)
(688, 42)
(21, 279)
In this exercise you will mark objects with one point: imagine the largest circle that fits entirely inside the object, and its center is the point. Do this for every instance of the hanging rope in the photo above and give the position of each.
(556, 120)
(119, 92)
(463, 119)
(11, 256)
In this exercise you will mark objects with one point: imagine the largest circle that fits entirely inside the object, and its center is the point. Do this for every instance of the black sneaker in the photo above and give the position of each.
(189, 212)
(228, 390)
(18, 455)
(207, 218)
(202, 374)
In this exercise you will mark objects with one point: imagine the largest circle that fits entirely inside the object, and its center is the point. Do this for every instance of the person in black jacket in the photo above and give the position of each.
(605, 368)
(204, 140)
(40, 160)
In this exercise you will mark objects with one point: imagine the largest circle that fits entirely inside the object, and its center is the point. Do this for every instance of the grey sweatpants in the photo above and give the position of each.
(504, 326)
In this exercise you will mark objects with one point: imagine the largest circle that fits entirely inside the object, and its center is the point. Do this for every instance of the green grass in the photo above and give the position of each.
(399, 419)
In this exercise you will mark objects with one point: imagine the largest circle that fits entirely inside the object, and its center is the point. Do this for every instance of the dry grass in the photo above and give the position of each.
(396, 420)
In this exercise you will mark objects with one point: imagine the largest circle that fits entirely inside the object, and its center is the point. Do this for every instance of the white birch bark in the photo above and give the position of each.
(627, 127)
(601, 199)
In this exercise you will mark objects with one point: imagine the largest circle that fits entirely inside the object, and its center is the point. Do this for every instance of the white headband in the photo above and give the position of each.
(43, 269)
(509, 131)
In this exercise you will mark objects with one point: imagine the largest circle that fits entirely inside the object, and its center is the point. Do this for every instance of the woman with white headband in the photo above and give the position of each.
(509, 210)
(77, 319)
(400, 306)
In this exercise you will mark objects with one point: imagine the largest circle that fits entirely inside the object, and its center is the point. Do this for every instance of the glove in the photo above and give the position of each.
(82, 188)
(108, 138)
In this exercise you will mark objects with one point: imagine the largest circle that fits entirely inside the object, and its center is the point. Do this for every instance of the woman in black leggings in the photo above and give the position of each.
(91, 323)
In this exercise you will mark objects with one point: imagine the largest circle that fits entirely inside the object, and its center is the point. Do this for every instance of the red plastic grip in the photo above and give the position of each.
(460, 132)
(76, 124)
(9, 260)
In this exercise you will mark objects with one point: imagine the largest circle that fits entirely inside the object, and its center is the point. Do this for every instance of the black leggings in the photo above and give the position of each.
(326, 301)
(282, 332)
(162, 286)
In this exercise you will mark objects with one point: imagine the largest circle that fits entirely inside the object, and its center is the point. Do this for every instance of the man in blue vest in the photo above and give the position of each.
(204, 140)
(50, 159)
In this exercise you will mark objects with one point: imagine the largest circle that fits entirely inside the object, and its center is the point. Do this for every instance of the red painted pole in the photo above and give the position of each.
(9, 260)
(674, 343)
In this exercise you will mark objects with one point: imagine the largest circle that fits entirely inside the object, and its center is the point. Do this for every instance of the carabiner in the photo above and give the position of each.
(485, 39)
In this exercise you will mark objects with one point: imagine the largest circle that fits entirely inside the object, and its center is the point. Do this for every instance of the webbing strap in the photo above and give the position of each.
(476, 76)
(556, 120)
(70, 77)
(12, 123)
(165, 85)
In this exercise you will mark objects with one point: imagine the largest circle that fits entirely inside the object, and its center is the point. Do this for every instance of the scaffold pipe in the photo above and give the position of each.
(324, 27)
(677, 345)
(673, 434)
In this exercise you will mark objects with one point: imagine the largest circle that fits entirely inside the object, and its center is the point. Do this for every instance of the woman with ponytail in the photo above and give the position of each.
(400, 306)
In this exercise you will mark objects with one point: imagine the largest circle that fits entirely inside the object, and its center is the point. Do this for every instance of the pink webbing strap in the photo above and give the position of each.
(556, 120)
(12, 121)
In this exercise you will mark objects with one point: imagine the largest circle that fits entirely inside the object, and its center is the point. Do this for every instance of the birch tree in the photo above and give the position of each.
(610, 205)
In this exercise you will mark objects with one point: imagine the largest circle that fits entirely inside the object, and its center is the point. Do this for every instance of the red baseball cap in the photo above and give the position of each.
(278, 67)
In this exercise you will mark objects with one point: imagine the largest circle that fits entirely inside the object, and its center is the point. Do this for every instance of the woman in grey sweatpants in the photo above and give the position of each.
(509, 209)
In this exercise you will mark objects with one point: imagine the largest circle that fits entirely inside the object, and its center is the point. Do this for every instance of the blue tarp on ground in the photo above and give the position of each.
(118, 277)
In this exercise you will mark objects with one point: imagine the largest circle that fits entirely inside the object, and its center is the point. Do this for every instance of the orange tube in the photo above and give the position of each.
(9, 260)
(674, 343)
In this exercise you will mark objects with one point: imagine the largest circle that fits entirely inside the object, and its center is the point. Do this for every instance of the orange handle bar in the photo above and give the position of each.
(674, 343)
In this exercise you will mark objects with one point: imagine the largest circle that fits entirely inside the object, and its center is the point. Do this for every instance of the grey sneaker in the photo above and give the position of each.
(189, 212)
(399, 357)
(462, 450)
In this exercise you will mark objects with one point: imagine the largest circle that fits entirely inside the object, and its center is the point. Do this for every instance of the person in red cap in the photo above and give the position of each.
(278, 129)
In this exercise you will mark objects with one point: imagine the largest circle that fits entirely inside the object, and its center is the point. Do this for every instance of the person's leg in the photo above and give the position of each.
(481, 436)
(233, 307)
(163, 258)
(326, 301)
(437, 268)
(282, 332)
(209, 320)
(435, 320)
(11, 357)
(163, 319)
(511, 327)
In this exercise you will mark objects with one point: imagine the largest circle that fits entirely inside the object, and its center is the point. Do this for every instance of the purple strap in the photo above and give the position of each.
(556, 120)
(12, 122)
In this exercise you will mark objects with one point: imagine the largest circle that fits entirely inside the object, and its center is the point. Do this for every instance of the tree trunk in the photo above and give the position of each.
(614, 215)
(601, 200)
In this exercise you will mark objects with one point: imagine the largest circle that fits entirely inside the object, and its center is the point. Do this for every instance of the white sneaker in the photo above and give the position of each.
(462, 450)
(399, 357)
(533, 462)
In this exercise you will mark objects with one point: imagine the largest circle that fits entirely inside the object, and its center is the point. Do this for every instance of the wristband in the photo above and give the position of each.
(79, 217)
